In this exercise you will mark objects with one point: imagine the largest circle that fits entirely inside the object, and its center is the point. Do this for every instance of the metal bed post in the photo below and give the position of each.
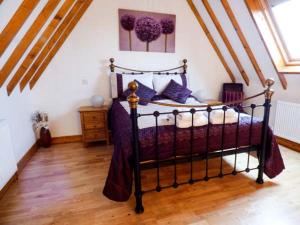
(133, 100)
(267, 105)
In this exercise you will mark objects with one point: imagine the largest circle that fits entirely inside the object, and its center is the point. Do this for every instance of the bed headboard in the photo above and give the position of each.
(170, 71)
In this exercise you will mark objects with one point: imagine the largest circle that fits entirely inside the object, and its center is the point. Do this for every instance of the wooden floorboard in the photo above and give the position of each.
(63, 185)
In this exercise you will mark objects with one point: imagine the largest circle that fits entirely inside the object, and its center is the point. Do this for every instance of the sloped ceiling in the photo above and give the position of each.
(243, 51)
(31, 53)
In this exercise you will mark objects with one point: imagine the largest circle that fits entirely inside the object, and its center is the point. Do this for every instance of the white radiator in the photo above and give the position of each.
(8, 164)
(287, 121)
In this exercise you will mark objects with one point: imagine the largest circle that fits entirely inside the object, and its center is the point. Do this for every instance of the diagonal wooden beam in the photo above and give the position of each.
(39, 45)
(16, 22)
(59, 43)
(255, 8)
(244, 41)
(211, 40)
(43, 54)
(27, 39)
(226, 41)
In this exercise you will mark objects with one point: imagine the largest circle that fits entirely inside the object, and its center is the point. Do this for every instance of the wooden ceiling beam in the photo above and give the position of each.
(16, 22)
(39, 45)
(226, 41)
(247, 48)
(27, 39)
(59, 43)
(254, 7)
(47, 48)
(211, 40)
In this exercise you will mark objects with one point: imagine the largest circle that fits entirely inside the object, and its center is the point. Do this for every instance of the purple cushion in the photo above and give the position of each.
(176, 92)
(142, 92)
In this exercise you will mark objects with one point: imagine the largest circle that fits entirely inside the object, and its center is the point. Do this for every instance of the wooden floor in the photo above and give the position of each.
(63, 185)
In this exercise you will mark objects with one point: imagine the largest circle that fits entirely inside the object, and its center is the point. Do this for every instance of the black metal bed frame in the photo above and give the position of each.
(157, 163)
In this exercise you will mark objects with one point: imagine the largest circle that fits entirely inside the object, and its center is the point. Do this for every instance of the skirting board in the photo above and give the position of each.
(287, 143)
(30, 153)
(20, 165)
(66, 139)
(7, 185)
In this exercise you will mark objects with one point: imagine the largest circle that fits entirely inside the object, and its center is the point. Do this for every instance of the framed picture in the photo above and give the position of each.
(146, 31)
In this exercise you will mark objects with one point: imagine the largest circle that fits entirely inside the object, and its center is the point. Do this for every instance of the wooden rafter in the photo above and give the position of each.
(226, 41)
(16, 22)
(254, 7)
(27, 39)
(39, 45)
(211, 40)
(60, 42)
(244, 41)
(50, 44)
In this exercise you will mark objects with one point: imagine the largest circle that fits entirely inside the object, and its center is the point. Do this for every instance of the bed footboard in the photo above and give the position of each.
(267, 106)
(133, 100)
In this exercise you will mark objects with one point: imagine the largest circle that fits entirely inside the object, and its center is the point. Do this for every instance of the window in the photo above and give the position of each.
(286, 18)
(278, 23)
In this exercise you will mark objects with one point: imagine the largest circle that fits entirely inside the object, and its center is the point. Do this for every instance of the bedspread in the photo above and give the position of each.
(118, 186)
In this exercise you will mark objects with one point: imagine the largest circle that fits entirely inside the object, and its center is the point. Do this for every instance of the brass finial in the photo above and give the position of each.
(184, 65)
(269, 91)
(112, 66)
(133, 99)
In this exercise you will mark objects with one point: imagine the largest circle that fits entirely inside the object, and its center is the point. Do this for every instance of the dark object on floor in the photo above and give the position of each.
(45, 137)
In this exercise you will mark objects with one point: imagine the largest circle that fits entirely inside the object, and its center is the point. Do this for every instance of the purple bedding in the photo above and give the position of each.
(118, 184)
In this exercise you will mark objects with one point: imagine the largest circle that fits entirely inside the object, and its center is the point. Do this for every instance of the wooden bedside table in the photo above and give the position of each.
(94, 123)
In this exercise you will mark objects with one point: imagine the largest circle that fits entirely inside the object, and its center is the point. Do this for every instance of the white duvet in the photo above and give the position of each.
(184, 120)
(149, 121)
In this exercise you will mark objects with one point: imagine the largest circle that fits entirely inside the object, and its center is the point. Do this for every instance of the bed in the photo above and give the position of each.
(155, 134)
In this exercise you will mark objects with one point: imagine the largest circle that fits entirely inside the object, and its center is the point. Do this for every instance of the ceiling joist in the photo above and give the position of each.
(60, 42)
(226, 41)
(16, 22)
(255, 10)
(27, 39)
(39, 61)
(39, 45)
(211, 40)
(243, 41)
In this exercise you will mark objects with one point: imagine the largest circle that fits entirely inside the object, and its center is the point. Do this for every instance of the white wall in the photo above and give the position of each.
(16, 109)
(247, 25)
(84, 57)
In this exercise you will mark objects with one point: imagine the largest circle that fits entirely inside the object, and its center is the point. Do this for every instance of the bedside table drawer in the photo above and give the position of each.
(92, 117)
(92, 135)
(94, 125)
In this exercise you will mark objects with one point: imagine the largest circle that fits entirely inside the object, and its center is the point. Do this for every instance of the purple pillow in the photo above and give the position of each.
(143, 92)
(176, 92)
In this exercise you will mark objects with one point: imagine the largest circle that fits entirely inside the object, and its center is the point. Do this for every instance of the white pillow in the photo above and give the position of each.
(160, 82)
(146, 79)
(113, 85)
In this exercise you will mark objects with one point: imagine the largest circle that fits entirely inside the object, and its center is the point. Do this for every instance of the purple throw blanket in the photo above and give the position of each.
(118, 184)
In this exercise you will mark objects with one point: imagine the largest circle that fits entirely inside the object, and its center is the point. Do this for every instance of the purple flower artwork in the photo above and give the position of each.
(128, 22)
(146, 31)
(168, 27)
